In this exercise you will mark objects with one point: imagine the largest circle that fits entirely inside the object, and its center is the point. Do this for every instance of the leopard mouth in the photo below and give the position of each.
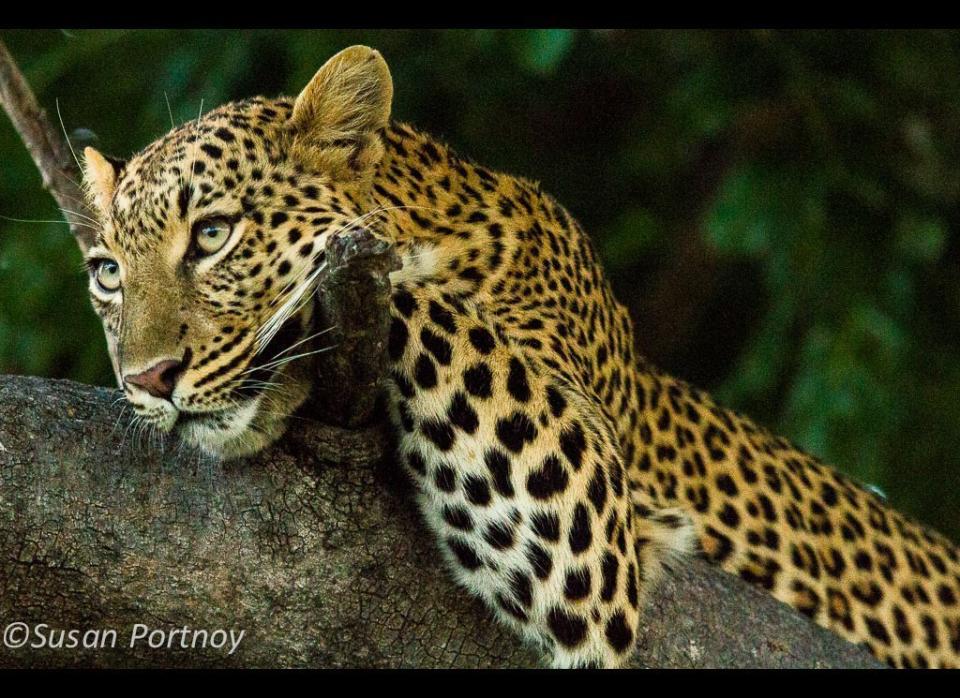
(257, 379)
(205, 426)
(186, 420)
(256, 405)
(224, 433)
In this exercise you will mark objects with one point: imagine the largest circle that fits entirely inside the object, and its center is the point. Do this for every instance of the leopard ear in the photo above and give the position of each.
(100, 174)
(338, 116)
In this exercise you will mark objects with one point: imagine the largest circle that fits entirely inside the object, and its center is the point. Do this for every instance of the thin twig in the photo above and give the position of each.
(49, 150)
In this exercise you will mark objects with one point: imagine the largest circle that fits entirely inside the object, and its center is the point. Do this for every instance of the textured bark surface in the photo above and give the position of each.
(314, 548)
(353, 308)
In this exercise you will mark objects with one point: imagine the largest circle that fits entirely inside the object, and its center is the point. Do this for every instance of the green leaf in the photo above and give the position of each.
(921, 239)
(739, 222)
(629, 238)
(545, 48)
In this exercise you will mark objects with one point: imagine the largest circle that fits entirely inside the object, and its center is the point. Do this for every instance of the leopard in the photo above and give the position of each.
(559, 472)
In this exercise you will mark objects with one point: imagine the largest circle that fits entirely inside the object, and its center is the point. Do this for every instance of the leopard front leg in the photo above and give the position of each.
(520, 477)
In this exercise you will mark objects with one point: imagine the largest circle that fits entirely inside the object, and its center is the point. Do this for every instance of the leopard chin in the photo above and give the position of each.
(250, 425)
(229, 434)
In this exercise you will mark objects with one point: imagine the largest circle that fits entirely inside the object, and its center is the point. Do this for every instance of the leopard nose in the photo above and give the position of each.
(159, 380)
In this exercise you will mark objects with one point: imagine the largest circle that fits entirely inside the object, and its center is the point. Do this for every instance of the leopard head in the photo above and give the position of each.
(209, 246)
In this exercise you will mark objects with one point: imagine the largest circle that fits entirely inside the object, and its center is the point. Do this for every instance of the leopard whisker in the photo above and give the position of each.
(287, 360)
(273, 324)
(128, 430)
(173, 126)
(265, 387)
(61, 221)
(295, 296)
(342, 228)
(305, 339)
(69, 144)
(123, 411)
(195, 125)
(82, 216)
(298, 293)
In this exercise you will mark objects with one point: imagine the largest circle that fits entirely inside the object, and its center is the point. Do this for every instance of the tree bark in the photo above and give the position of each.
(313, 548)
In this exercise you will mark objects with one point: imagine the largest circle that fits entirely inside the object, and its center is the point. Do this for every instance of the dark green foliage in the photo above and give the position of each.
(778, 209)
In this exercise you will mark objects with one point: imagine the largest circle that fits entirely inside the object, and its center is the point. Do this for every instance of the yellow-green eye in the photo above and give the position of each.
(211, 234)
(108, 275)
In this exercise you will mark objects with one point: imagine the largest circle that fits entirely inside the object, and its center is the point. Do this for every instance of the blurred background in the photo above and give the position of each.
(779, 210)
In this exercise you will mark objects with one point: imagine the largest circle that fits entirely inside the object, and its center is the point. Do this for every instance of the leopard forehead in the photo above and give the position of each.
(199, 165)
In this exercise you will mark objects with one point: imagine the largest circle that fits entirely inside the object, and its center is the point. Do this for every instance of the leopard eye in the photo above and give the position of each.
(210, 234)
(107, 275)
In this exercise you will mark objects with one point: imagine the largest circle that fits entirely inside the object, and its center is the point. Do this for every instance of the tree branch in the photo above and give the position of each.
(353, 302)
(313, 548)
(50, 152)
(54, 159)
